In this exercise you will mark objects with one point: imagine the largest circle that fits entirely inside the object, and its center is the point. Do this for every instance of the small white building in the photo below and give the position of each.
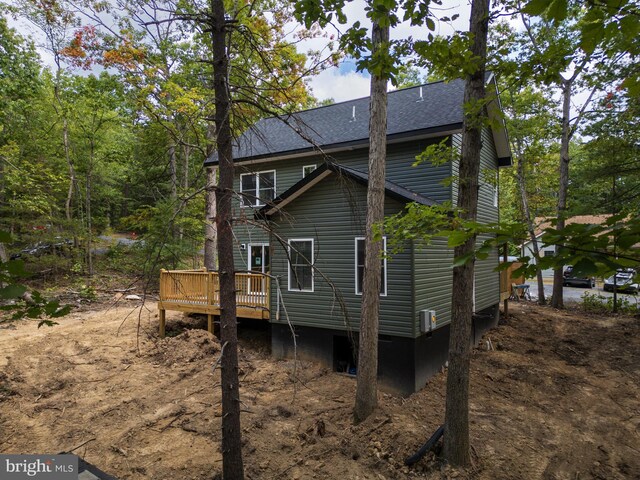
(542, 223)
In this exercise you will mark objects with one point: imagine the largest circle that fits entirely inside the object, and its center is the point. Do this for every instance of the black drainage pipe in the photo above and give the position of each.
(426, 447)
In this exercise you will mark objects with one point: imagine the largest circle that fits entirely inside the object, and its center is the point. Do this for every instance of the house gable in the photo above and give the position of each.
(392, 190)
(333, 214)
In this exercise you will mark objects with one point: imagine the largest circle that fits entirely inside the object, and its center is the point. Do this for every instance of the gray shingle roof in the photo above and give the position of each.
(333, 125)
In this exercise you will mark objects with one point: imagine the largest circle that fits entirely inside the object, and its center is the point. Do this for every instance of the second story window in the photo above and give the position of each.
(307, 169)
(257, 189)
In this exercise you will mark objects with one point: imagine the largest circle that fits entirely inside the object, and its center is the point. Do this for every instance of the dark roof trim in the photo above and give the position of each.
(392, 190)
(499, 129)
(344, 146)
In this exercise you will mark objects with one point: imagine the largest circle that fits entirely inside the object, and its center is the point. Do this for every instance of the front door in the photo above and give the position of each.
(259, 263)
(259, 258)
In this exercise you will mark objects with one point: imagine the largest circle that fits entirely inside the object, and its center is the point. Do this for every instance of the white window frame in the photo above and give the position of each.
(314, 166)
(355, 262)
(312, 260)
(495, 189)
(256, 193)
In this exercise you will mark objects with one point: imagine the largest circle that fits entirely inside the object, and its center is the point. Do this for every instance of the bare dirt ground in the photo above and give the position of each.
(557, 399)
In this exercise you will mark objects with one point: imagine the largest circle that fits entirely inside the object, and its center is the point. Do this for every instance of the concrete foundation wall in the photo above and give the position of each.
(404, 364)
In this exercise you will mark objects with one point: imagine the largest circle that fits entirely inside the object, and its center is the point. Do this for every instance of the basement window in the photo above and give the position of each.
(345, 355)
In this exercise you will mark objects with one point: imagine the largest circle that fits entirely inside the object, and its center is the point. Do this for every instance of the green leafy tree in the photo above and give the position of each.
(55, 19)
(532, 128)
(606, 172)
(409, 76)
(19, 85)
(547, 52)
(16, 298)
(95, 123)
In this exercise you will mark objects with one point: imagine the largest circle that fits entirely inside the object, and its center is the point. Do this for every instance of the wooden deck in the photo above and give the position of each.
(198, 291)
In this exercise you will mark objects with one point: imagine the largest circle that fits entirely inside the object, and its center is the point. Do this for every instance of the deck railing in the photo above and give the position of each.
(202, 288)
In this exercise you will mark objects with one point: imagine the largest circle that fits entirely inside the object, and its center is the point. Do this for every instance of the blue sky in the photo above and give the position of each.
(344, 83)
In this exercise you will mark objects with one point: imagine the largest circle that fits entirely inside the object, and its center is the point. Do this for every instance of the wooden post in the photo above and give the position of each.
(268, 295)
(505, 257)
(162, 321)
(210, 323)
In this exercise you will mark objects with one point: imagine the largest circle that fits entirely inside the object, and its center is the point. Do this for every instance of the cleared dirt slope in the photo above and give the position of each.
(558, 398)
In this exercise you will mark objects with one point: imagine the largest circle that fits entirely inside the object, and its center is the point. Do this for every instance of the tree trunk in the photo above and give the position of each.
(173, 174)
(530, 227)
(211, 240)
(72, 172)
(186, 152)
(367, 386)
(185, 174)
(614, 199)
(88, 211)
(232, 467)
(557, 300)
(456, 436)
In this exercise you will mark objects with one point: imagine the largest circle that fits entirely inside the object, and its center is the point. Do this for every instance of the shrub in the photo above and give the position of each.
(596, 303)
(87, 292)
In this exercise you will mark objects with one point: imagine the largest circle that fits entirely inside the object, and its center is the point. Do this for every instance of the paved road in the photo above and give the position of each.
(575, 293)
(114, 241)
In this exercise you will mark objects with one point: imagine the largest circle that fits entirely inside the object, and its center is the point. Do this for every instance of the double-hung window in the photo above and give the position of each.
(257, 189)
(301, 265)
(360, 252)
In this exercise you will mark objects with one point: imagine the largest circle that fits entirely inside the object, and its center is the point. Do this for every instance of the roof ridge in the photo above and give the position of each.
(389, 92)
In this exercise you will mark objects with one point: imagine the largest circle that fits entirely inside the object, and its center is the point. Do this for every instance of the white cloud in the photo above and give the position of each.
(340, 86)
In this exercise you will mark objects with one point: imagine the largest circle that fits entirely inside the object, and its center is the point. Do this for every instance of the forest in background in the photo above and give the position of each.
(110, 135)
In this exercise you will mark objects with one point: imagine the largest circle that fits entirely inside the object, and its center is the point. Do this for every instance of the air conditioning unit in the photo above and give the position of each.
(427, 321)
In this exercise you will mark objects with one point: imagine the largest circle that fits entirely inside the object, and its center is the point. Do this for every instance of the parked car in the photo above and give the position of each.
(569, 279)
(624, 281)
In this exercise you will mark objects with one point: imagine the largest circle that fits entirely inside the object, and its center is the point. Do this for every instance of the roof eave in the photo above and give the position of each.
(498, 127)
(345, 146)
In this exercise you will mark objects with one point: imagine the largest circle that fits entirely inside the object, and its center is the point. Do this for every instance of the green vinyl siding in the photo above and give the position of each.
(487, 211)
(487, 286)
(333, 214)
(487, 283)
(433, 280)
(424, 179)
